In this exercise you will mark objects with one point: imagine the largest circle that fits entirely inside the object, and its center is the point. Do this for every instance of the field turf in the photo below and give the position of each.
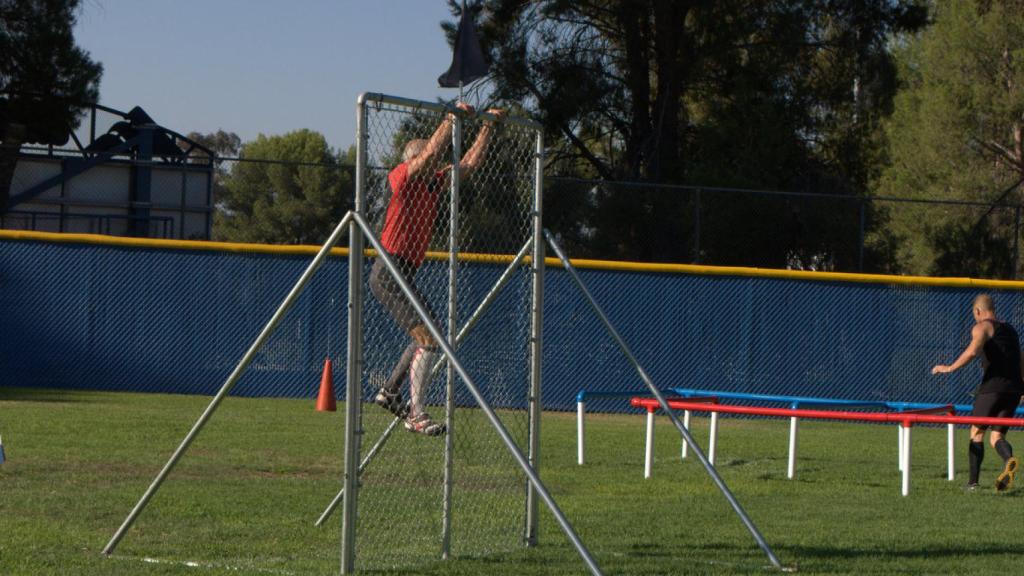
(244, 498)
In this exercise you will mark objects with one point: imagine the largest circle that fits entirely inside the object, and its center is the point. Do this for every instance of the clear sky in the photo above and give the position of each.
(263, 66)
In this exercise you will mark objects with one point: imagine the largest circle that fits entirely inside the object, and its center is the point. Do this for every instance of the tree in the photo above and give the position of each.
(223, 144)
(289, 189)
(777, 94)
(956, 134)
(45, 79)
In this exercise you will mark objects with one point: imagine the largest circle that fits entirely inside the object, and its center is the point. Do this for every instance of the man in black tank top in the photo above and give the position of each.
(1001, 387)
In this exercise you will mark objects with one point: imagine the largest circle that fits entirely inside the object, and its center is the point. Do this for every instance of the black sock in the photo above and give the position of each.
(401, 369)
(1004, 449)
(977, 453)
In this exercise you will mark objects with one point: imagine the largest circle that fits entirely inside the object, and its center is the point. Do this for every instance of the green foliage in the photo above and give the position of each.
(44, 78)
(289, 189)
(223, 144)
(780, 94)
(956, 134)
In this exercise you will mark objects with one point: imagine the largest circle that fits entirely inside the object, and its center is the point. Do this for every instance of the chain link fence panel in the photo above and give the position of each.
(456, 249)
(657, 223)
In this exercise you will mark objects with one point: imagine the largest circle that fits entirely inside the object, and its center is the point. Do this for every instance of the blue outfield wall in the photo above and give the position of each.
(92, 313)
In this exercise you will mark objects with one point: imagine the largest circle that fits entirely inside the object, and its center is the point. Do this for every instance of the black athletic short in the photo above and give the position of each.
(998, 405)
(389, 293)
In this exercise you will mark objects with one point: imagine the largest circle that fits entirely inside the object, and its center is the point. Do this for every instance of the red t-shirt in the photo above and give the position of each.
(409, 220)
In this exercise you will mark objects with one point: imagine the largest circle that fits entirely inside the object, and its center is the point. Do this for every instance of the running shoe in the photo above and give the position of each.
(1005, 480)
(423, 424)
(392, 402)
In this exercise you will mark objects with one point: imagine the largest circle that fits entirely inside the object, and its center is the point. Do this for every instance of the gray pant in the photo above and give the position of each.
(389, 294)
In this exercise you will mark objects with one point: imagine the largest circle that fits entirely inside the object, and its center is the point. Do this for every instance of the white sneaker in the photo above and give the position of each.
(423, 424)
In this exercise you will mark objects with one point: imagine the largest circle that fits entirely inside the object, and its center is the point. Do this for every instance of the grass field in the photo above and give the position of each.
(244, 499)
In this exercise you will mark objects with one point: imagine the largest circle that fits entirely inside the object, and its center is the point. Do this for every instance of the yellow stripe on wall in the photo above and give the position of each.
(691, 269)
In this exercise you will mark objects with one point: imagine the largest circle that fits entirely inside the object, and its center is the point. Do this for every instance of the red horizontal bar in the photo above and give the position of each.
(904, 418)
(701, 399)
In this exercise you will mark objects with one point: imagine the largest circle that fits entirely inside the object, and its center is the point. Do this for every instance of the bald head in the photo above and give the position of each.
(984, 303)
(983, 307)
(413, 149)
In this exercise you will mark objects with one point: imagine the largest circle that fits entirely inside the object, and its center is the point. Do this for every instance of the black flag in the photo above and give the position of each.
(468, 62)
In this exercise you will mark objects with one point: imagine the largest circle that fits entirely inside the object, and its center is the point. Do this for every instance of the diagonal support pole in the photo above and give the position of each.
(362, 466)
(271, 325)
(664, 405)
(484, 305)
(485, 407)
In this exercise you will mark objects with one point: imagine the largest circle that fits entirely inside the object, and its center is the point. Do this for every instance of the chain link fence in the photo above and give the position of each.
(641, 222)
(461, 492)
(595, 219)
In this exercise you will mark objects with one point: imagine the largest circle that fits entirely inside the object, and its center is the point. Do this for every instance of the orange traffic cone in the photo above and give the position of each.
(325, 401)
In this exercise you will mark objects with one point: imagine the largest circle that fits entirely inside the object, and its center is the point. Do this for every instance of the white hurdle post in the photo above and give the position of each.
(901, 447)
(950, 445)
(649, 447)
(686, 424)
(791, 468)
(580, 410)
(714, 438)
(905, 426)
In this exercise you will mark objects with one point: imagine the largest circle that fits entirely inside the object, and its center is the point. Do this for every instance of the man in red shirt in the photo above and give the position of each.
(416, 186)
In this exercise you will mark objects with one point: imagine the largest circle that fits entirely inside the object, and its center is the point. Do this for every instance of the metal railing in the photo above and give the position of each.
(731, 226)
(108, 224)
(806, 230)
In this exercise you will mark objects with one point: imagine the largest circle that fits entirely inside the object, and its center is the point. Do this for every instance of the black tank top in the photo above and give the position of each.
(1001, 361)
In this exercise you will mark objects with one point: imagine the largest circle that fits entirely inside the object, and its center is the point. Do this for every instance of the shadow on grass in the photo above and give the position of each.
(923, 552)
(10, 394)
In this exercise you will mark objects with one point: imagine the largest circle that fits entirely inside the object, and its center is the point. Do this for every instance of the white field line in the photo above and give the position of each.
(205, 565)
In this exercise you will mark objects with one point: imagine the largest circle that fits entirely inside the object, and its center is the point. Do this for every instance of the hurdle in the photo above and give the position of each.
(905, 419)
(649, 443)
(950, 429)
(794, 402)
(581, 409)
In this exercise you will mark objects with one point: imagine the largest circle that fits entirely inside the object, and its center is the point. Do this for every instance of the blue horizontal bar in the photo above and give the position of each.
(793, 401)
(584, 394)
(796, 401)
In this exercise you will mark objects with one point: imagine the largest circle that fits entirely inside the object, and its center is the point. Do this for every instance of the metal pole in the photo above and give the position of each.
(485, 407)
(449, 402)
(1016, 242)
(184, 196)
(362, 466)
(696, 226)
(473, 319)
(230, 383)
(536, 338)
(354, 372)
(860, 240)
(353, 401)
(664, 404)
